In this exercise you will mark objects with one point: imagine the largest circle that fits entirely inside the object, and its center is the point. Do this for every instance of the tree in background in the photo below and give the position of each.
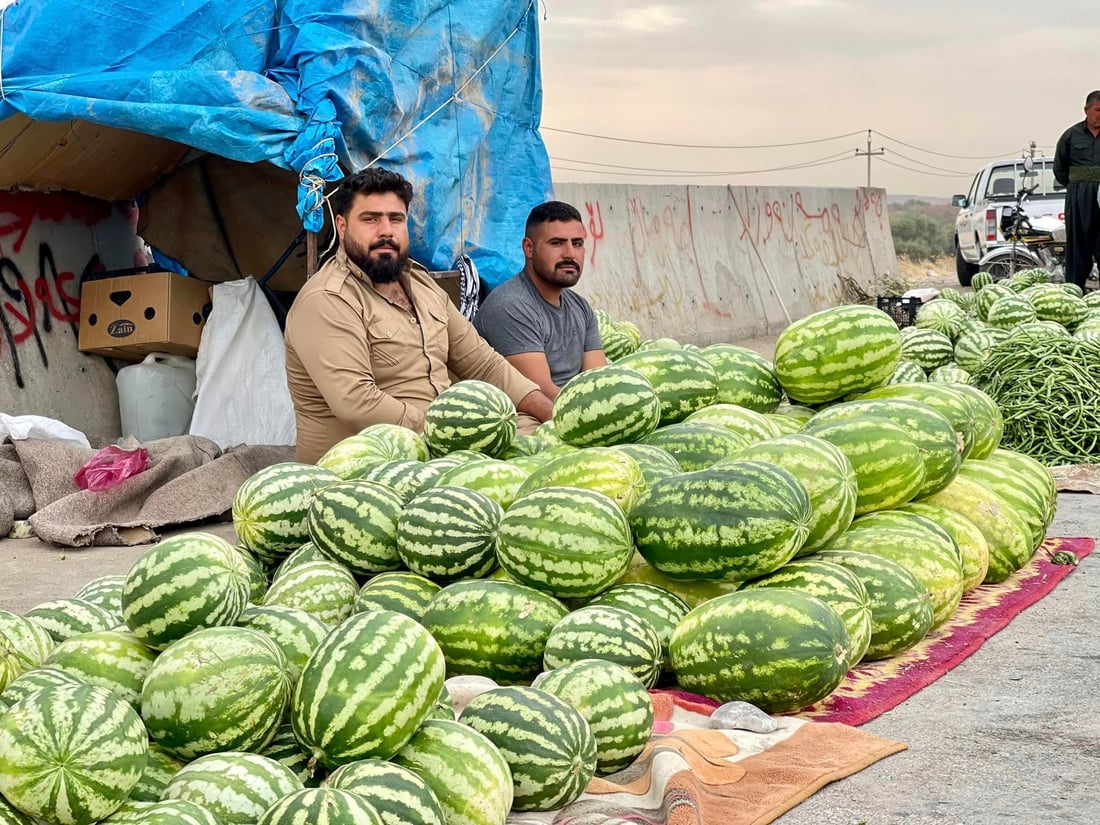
(920, 237)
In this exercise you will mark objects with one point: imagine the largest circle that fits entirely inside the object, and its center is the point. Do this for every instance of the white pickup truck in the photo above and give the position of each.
(978, 225)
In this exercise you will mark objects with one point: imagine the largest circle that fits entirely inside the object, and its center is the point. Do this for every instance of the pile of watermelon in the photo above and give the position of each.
(955, 331)
(446, 627)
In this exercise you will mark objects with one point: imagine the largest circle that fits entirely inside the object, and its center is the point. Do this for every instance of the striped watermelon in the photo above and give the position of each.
(732, 522)
(499, 480)
(399, 795)
(1016, 490)
(112, 659)
(447, 533)
(189, 581)
(835, 585)
(684, 381)
(565, 541)
(167, 812)
(755, 426)
(989, 424)
(827, 476)
(64, 618)
(887, 461)
(973, 347)
(613, 701)
(217, 689)
(355, 455)
(1038, 474)
(258, 580)
(321, 806)
(931, 556)
(269, 509)
(1005, 532)
(901, 609)
(603, 469)
(325, 589)
(32, 642)
(605, 406)
(1052, 303)
(662, 608)
(549, 748)
(940, 397)
(949, 374)
(908, 371)
(1008, 312)
(10, 665)
(525, 445)
(465, 770)
(355, 523)
(296, 632)
(296, 558)
(972, 545)
(397, 442)
(1031, 332)
(608, 633)
(779, 649)
(70, 755)
(745, 377)
(496, 629)
(981, 280)
(9, 815)
(942, 316)
(988, 296)
(285, 750)
(928, 348)
(934, 436)
(159, 770)
(836, 352)
(31, 681)
(698, 445)
(654, 462)
(105, 592)
(406, 478)
(365, 690)
(235, 786)
(401, 592)
(470, 415)
(616, 342)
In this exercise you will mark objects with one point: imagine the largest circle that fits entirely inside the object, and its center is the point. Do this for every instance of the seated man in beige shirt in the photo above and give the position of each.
(371, 338)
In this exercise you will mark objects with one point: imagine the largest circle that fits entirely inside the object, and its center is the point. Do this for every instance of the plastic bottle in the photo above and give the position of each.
(156, 397)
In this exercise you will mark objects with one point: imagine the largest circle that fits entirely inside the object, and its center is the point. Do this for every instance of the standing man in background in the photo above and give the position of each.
(545, 329)
(372, 339)
(1077, 167)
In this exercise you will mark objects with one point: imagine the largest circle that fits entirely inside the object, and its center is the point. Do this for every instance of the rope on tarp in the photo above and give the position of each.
(456, 97)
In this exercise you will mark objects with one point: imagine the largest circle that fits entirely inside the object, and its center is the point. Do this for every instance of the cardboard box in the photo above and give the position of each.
(131, 316)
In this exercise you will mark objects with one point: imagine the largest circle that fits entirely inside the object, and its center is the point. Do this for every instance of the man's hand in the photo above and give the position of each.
(536, 404)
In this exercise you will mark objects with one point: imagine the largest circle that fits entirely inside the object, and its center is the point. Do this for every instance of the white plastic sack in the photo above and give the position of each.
(22, 427)
(241, 396)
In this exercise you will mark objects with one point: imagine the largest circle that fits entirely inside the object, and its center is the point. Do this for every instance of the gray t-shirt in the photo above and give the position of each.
(515, 318)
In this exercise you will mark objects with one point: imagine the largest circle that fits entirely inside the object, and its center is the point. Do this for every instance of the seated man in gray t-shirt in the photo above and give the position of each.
(546, 330)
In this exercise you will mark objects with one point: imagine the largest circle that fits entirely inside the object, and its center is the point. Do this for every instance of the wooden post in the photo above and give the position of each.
(311, 254)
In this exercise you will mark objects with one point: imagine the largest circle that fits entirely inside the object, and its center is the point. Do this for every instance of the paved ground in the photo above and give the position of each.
(1011, 735)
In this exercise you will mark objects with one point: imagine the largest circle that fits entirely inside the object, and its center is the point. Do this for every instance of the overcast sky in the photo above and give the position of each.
(962, 78)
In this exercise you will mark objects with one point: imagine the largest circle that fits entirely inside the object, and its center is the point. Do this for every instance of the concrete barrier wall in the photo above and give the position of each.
(703, 264)
(48, 244)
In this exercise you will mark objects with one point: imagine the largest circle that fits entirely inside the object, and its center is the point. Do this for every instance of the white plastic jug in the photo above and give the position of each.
(156, 397)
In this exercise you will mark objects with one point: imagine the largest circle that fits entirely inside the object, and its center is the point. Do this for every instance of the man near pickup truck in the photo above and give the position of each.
(371, 338)
(1077, 167)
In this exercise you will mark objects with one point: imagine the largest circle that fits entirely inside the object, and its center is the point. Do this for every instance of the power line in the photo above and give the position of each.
(896, 153)
(943, 154)
(695, 172)
(923, 171)
(698, 145)
(702, 175)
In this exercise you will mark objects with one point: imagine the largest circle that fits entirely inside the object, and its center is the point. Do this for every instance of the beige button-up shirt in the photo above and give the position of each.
(353, 358)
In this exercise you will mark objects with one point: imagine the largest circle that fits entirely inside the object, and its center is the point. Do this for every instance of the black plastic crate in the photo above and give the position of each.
(903, 310)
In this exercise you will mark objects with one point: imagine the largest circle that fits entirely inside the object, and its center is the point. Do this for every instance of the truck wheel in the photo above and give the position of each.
(963, 268)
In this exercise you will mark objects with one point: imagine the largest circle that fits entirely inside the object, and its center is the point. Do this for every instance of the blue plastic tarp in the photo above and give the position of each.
(446, 92)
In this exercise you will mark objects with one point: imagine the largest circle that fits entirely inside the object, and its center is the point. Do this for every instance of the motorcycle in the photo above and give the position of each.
(1032, 243)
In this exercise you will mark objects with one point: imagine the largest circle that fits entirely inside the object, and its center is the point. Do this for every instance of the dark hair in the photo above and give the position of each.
(550, 211)
(372, 181)
(1094, 97)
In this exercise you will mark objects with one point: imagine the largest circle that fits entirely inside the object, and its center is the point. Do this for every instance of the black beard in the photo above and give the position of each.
(385, 270)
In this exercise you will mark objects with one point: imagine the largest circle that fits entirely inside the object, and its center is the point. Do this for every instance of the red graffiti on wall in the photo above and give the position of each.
(595, 228)
(22, 209)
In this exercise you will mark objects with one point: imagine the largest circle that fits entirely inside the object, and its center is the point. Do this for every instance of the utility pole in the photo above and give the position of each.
(869, 153)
